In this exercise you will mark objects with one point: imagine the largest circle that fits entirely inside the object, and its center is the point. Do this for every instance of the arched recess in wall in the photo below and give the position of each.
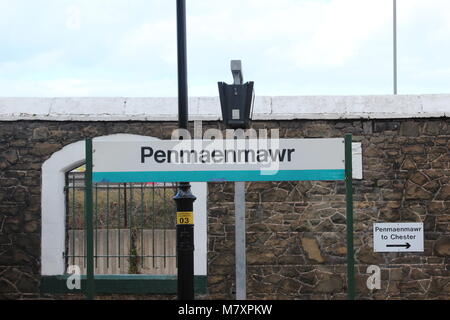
(53, 208)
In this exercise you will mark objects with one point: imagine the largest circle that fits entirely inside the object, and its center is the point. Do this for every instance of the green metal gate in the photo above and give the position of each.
(133, 226)
(121, 236)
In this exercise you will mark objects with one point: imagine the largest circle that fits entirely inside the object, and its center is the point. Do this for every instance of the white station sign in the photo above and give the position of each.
(398, 237)
(218, 160)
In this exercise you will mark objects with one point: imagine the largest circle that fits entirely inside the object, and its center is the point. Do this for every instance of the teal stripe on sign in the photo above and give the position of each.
(210, 176)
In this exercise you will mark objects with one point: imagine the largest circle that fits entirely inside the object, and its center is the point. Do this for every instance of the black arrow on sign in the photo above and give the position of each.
(407, 245)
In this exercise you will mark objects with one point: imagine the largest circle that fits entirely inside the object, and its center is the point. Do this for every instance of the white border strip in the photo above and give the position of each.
(208, 108)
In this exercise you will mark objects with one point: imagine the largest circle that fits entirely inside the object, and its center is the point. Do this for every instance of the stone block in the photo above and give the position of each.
(330, 284)
(442, 246)
(311, 248)
(444, 193)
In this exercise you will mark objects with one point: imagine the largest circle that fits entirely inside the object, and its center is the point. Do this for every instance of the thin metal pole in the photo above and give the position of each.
(142, 225)
(90, 289)
(107, 225)
(164, 221)
(349, 200)
(74, 220)
(96, 226)
(130, 223)
(239, 209)
(395, 45)
(118, 222)
(241, 266)
(153, 226)
(67, 201)
(182, 65)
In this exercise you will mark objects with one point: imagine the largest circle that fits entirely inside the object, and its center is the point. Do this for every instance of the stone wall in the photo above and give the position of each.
(295, 230)
(24, 146)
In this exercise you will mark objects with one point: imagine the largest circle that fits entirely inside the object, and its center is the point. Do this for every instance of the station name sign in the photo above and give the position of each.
(147, 160)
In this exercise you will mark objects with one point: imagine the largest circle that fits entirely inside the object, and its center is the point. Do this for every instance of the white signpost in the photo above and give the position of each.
(398, 237)
(218, 160)
(229, 160)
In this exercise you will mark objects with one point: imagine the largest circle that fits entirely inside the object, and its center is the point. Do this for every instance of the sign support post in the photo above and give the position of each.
(240, 117)
(349, 211)
(89, 231)
(240, 245)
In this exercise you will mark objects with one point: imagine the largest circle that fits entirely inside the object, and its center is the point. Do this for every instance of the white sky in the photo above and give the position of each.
(288, 47)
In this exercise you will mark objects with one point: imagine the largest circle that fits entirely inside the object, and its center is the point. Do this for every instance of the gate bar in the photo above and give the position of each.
(89, 230)
(349, 211)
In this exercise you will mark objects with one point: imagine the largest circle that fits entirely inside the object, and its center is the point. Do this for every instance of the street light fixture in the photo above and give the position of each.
(237, 99)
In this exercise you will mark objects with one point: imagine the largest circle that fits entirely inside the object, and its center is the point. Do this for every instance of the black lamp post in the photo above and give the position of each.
(184, 199)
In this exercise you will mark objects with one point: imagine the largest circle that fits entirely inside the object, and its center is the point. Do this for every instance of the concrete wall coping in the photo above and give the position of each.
(208, 108)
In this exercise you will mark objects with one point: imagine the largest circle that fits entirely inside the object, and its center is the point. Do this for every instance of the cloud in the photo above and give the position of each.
(118, 47)
(83, 87)
(74, 18)
(155, 40)
(344, 28)
(40, 62)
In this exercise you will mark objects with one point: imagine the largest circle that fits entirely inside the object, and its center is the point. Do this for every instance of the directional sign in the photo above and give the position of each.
(398, 237)
(148, 160)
